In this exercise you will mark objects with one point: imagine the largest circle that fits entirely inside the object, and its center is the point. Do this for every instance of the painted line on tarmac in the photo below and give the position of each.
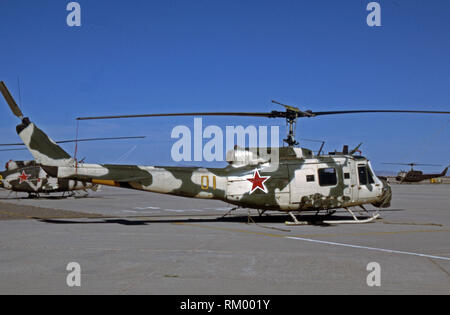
(370, 233)
(326, 242)
(368, 248)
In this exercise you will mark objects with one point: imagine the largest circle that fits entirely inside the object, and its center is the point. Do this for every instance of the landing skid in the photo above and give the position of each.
(67, 194)
(32, 196)
(354, 221)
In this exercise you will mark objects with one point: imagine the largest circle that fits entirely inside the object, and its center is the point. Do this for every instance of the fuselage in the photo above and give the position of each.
(316, 183)
(416, 176)
(287, 179)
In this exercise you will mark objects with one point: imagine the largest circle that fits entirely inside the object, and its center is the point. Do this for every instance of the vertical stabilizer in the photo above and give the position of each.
(44, 150)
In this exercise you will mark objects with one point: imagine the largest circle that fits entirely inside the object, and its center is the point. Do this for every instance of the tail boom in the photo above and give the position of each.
(188, 182)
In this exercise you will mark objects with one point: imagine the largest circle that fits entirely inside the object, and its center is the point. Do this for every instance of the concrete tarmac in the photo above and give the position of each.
(131, 242)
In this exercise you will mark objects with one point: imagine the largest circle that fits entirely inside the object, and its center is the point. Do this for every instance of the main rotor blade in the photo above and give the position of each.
(101, 139)
(413, 164)
(179, 114)
(4, 150)
(80, 140)
(10, 100)
(377, 111)
(274, 114)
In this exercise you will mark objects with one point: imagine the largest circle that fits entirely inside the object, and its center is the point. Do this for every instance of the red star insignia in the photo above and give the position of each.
(258, 182)
(23, 177)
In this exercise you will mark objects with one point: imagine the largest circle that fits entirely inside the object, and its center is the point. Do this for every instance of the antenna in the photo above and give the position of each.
(321, 148)
(20, 95)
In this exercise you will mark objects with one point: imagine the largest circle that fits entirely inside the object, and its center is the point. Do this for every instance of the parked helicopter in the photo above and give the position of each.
(413, 176)
(29, 176)
(299, 181)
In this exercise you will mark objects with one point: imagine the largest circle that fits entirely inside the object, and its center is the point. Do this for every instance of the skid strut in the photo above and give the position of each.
(231, 210)
(296, 222)
(354, 221)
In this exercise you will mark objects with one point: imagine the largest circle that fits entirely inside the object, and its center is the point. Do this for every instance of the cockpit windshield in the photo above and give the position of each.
(365, 175)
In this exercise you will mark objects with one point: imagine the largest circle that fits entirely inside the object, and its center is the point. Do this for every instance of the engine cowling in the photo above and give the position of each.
(248, 156)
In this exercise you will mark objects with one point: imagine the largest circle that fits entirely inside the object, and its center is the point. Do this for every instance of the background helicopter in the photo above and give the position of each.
(414, 176)
(30, 177)
(300, 181)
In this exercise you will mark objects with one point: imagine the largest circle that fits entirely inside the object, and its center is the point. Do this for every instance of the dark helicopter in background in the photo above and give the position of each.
(414, 176)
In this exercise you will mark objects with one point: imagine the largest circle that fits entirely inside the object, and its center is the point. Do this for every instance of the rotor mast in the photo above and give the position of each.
(290, 139)
(291, 114)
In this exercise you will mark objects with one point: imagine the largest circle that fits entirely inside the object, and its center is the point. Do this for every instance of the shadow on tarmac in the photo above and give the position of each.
(146, 220)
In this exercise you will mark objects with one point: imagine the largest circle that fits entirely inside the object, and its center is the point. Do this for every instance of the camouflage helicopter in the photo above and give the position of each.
(300, 181)
(414, 176)
(30, 177)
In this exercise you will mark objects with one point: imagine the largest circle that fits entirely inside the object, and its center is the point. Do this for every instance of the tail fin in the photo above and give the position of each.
(445, 171)
(44, 150)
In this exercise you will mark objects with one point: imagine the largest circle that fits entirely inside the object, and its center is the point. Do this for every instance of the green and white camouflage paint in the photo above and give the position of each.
(29, 177)
(299, 181)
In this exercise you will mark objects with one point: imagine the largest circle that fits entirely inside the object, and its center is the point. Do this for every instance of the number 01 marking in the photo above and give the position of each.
(205, 182)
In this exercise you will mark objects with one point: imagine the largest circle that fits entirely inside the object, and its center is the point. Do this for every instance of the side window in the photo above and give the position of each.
(327, 177)
(310, 178)
(365, 175)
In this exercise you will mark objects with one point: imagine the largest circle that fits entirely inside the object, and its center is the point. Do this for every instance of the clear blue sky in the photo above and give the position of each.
(132, 57)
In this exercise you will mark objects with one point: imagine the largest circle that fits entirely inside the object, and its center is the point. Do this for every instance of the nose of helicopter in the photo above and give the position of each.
(386, 195)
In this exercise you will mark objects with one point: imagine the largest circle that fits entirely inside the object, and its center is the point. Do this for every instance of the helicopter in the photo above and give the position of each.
(300, 181)
(31, 178)
(414, 176)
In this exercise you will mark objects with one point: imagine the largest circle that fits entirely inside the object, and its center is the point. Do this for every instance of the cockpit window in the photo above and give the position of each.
(365, 175)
